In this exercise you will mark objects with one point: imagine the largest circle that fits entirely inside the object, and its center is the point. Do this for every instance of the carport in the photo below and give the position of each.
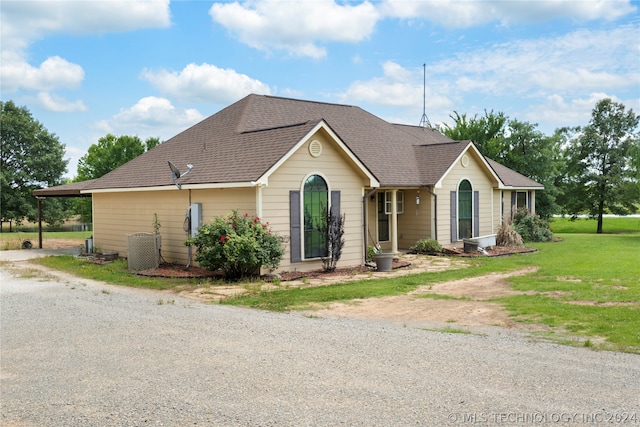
(67, 190)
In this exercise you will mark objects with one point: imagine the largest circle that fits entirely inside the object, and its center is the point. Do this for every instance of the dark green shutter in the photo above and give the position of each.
(476, 213)
(454, 217)
(295, 238)
(335, 203)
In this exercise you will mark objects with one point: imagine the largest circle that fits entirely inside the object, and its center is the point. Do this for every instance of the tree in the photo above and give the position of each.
(108, 154)
(537, 156)
(486, 132)
(517, 145)
(31, 158)
(601, 175)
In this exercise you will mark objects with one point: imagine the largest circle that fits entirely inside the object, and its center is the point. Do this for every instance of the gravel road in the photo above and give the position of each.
(81, 353)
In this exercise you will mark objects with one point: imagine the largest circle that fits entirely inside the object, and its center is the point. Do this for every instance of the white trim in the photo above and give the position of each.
(482, 160)
(174, 188)
(458, 207)
(516, 188)
(373, 182)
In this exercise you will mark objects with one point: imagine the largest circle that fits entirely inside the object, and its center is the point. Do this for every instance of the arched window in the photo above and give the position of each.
(315, 204)
(465, 210)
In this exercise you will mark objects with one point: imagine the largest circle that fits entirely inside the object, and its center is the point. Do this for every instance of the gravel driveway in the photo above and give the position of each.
(81, 353)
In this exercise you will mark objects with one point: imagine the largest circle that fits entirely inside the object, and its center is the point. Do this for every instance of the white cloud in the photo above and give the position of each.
(297, 26)
(398, 87)
(150, 117)
(592, 60)
(53, 73)
(205, 83)
(22, 23)
(557, 111)
(58, 104)
(470, 13)
(26, 21)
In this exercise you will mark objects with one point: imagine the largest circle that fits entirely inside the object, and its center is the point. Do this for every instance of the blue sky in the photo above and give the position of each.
(154, 68)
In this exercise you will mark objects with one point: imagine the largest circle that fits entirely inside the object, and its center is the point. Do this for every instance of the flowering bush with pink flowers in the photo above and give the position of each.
(239, 245)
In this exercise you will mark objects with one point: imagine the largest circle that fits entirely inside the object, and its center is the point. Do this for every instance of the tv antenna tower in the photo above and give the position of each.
(424, 121)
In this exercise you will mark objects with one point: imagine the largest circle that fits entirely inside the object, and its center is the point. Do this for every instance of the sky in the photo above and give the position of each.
(149, 68)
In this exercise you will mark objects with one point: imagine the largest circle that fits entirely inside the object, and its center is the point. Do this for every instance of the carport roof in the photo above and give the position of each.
(73, 189)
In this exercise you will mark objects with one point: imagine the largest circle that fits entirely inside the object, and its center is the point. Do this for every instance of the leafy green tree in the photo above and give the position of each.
(31, 158)
(108, 154)
(537, 156)
(486, 132)
(517, 145)
(601, 174)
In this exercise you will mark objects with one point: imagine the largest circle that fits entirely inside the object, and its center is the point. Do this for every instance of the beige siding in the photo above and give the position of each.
(498, 209)
(482, 182)
(340, 174)
(118, 214)
(415, 223)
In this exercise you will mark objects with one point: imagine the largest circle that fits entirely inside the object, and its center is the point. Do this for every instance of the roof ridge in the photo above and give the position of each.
(308, 101)
(275, 127)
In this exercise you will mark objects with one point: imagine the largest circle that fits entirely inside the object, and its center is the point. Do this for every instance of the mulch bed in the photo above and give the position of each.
(179, 271)
(495, 251)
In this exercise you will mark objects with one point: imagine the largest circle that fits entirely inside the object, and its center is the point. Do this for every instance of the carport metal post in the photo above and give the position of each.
(39, 222)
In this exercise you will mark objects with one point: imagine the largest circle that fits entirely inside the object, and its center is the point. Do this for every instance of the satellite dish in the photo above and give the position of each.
(176, 175)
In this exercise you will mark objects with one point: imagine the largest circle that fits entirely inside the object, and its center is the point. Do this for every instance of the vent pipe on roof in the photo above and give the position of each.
(424, 121)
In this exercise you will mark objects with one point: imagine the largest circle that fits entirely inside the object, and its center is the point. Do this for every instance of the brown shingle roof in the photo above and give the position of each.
(241, 142)
(511, 178)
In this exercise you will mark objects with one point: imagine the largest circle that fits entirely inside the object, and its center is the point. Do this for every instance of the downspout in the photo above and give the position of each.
(364, 222)
(435, 213)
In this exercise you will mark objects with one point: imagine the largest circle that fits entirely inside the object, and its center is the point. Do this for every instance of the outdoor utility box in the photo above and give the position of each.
(143, 252)
(196, 218)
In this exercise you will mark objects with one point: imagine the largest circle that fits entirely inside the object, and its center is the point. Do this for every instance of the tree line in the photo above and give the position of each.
(592, 169)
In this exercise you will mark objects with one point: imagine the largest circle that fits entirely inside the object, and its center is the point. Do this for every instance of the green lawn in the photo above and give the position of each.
(587, 285)
(14, 239)
(586, 225)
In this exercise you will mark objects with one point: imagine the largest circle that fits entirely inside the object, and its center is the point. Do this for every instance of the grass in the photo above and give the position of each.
(589, 226)
(115, 273)
(13, 240)
(586, 285)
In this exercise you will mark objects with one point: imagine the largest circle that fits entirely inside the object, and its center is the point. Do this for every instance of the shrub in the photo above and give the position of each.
(371, 253)
(508, 236)
(333, 229)
(532, 228)
(239, 245)
(426, 246)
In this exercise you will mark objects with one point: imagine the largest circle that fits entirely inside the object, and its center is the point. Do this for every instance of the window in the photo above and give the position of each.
(383, 218)
(399, 202)
(465, 210)
(521, 199)
(315, 204)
